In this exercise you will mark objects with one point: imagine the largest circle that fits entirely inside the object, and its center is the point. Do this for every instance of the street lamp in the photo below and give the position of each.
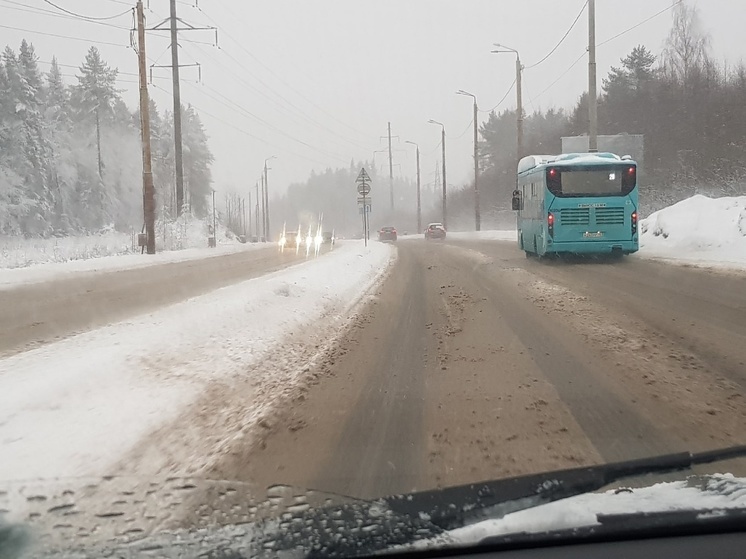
(266, 199)
(443, 144)
(419, 205)
(519, 95)
(477, 217)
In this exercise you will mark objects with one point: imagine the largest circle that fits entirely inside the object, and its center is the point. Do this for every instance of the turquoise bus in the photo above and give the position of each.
(577, 203)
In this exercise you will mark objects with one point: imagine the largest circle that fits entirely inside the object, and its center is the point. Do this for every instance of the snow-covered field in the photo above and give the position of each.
(699, 230)
(77, 406)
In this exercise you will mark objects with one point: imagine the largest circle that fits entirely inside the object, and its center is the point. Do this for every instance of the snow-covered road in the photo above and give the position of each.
(76, 407)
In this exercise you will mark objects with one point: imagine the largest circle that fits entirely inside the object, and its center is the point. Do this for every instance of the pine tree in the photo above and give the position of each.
(197, 161)
(96, 93)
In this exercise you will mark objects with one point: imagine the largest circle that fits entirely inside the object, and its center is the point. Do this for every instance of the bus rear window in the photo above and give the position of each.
(591, 182)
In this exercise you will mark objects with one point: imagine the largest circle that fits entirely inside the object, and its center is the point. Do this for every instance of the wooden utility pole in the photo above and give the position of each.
(391, 173)
(519, 107)
(266, 201)
(256, 220)
(477, 216)
(214, 219)
(445, 182)
(148, 189)
(419, 202)
(592, 101)
(264, 208)
(176, 84)
(419, 197)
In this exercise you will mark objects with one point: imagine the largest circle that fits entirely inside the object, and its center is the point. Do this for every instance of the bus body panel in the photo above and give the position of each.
(581, 224)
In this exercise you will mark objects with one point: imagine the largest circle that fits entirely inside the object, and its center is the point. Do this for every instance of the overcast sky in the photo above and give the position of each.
(314, 82)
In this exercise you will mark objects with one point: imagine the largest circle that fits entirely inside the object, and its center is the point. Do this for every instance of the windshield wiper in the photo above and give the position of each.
(367, 527)
(459, 506)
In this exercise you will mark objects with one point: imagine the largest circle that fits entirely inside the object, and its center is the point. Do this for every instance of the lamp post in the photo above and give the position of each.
(519, 97)
(443, 144)
(419, 204)
(266, 199)
(477, 216)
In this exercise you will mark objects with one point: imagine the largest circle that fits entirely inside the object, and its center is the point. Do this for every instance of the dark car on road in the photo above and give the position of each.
(435, 231)
(387, 234)
(328, 238)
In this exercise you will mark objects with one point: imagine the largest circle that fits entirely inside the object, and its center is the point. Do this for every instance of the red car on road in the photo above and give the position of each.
(435, 231)
(387, 234)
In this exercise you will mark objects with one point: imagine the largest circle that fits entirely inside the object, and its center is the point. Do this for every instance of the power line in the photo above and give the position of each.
(49, 13)
(249, 134)
(664, 10)
(298, 109)
(81, 16)
(239, 77)
(607, 41)
(500, 102)
(471, 123)
(285, 83)
(64, 36)
(561, 76)
(267, 124)
(562, 40)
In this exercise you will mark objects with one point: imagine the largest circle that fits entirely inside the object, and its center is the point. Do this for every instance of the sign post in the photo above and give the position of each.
(363, 189)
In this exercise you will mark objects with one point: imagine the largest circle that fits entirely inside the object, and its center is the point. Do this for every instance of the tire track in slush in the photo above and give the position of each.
(611, 423)
(380, 450)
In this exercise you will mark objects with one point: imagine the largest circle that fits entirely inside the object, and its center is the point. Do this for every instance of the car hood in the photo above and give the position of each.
(180, 517)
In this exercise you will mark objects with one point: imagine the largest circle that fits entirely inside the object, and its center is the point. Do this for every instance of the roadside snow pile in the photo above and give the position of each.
(78, 406)
(509, 235)
(19, 252)
(189, 233)
(51, 271)
(703, 230)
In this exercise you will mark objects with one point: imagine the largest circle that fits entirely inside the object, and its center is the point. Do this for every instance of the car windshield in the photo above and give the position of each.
(225, 312)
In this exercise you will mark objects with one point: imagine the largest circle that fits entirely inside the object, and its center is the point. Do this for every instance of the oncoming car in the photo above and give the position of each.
(387, 234)
(289, 240)
(435, 231)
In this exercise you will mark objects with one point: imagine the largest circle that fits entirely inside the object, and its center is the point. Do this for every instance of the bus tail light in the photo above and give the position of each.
(634, 223)
(550, 224)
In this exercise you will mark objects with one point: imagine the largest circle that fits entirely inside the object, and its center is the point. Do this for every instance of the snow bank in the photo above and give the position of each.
(75, 407)
(496, 235)
(186, 233)
(698, 230)
(39, 273)
(484, 235)
(19, 252)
